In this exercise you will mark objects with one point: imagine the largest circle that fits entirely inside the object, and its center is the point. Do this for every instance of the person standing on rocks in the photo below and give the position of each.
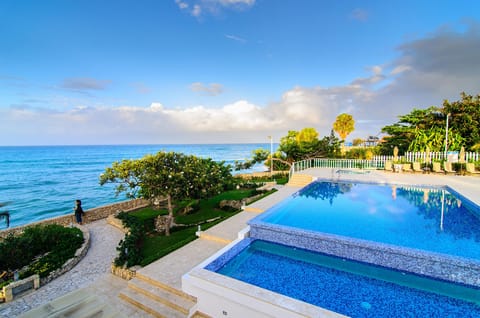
(78, 211)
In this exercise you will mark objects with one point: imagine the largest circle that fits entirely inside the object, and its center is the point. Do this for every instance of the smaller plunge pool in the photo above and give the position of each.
(347, 287)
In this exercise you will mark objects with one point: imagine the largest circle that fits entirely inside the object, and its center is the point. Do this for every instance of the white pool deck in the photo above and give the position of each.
(170, 269)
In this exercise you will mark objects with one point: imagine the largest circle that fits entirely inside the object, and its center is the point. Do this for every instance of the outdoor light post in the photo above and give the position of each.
(271, 155)
(446, 137)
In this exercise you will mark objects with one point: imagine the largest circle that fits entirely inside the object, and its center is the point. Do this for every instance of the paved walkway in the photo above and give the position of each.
(172, 267)
(94, 266)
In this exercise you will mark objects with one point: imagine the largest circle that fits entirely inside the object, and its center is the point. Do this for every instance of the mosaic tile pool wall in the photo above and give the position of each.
(347, 287)
(454, 269)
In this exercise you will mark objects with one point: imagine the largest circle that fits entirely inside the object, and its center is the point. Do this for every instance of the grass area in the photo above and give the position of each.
(209, 208)
(156, 246)
(148, 213)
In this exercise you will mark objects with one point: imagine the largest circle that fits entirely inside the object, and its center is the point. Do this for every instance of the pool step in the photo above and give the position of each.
(156, 298)
(300, 180)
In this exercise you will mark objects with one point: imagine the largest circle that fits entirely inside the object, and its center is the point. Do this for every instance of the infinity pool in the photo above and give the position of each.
(429, 219)
(347, 287)
(363, 250)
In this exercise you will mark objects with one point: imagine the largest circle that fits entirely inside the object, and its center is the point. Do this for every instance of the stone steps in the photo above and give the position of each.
(77, 304)
(156, 298)
(300, 180)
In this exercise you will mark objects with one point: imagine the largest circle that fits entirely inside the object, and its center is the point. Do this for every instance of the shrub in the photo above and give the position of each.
(129, 249)
(41, 248)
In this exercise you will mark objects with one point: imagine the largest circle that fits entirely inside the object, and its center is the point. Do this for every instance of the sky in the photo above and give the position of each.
(226, 71)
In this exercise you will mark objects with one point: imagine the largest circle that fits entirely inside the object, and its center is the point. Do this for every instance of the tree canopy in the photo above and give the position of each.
(170, 175)
(344, 125)
(422, 128)
(295, 146)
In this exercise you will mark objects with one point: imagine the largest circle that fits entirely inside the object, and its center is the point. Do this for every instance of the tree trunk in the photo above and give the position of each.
(170, 215)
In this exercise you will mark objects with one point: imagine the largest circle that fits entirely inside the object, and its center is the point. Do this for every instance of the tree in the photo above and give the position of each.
(170, 175)
(296, 146)
(358, 142)
(330, 146)
(422, 128)
(344, 125)
(464, 118)
(299, 145)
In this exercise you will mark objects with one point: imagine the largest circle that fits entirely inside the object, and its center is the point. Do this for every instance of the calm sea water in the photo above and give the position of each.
(41, 182)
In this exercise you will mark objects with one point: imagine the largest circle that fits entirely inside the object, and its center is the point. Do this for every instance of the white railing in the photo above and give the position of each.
(337, 163)
(378, 162)
(434, 155)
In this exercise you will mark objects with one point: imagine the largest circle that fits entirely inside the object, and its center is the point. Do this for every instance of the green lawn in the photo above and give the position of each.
(156, 246)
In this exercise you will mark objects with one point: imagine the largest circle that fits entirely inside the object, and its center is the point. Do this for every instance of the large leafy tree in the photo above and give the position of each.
(169, 175)
(295, 146)
(344, 125)
(330, 146)
(465, 118)
(423, 128)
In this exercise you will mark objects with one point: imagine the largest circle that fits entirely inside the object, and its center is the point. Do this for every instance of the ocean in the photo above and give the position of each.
(40, 182)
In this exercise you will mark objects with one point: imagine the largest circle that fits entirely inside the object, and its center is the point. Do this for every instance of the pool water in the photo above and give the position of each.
(429, 219)
(347, 287)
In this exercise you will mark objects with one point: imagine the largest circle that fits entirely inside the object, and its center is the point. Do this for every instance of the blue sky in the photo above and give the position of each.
(214, 71)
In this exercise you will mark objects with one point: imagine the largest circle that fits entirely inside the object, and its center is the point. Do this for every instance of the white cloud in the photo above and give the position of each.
(400, 69)
(85, 83)
(212, 89)
(181, 4)
(426, 72)
(235, 38)
(198, 8)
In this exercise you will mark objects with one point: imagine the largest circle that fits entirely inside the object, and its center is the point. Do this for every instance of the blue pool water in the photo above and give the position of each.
(351, 288)
(430, 219)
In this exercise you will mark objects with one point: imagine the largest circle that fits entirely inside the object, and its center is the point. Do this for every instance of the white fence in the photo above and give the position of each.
(378, 162)
(434, 156)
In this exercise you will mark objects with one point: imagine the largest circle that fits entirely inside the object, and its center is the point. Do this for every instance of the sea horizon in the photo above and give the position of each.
(41, 182)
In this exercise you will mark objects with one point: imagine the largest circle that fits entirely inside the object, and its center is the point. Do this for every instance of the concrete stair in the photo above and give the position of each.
(300, 180)
(78, 304)
(156, 298)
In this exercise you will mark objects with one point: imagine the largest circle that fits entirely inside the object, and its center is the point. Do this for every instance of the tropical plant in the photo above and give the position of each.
(169, 175)
(344, 125)
(423, 128)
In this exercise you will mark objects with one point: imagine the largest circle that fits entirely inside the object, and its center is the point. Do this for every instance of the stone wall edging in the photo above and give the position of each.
(68, 265)
(125, 272)
(91, 215)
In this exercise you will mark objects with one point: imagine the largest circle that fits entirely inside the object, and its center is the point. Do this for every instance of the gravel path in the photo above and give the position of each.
(104, 239)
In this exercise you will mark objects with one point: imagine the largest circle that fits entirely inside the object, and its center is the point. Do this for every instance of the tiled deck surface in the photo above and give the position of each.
(170, 268)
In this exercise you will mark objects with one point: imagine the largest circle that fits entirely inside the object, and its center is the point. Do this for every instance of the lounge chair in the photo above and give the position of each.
(407, 167)
(417, 167)
(388, 166)
(437, 168)
(447, 166)
(470, 167)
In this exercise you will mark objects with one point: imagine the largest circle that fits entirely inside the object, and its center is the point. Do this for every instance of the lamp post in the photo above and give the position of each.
(446, 137)
(271, 155)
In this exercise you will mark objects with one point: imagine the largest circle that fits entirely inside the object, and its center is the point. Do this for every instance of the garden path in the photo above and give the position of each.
(104, 239)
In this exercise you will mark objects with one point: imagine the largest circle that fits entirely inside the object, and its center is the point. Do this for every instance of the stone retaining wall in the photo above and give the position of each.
(34, 282)
(123, 272)
(90, 215)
